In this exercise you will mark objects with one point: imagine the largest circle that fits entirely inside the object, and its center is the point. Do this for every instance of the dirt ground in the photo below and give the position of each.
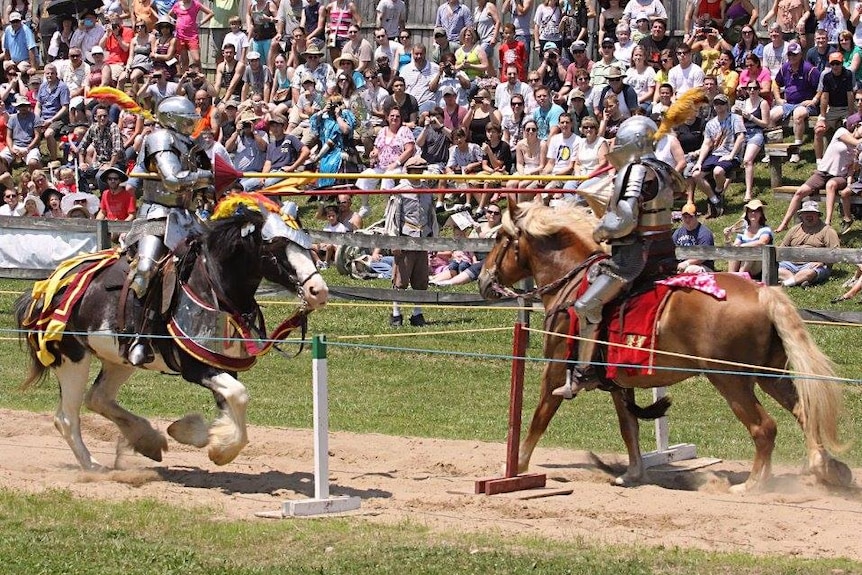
(430, 482)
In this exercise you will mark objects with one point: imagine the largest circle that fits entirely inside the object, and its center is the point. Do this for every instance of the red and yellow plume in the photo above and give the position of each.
(228, 205)
(120, 98)
(681, 111)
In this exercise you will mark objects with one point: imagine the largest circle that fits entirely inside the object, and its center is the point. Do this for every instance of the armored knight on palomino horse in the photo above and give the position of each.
(638, 227)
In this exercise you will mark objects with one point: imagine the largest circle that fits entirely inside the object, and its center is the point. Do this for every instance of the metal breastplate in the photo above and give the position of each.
(657, 205)
(187, 158)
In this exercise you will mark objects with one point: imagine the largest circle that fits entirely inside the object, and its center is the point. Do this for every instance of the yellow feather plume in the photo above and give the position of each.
(680, 111)
(120, 98)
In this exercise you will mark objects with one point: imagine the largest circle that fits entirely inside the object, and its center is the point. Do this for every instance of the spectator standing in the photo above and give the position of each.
(392, 17)
(340, 15)
(236, 38)
(19, 42)
(188, 30)
(832, 16)
(638, 9)
(810, 232)
(521, 12)
(512, 52)
(693, 233)
(453, 17)
(488, 22)
(546, 24)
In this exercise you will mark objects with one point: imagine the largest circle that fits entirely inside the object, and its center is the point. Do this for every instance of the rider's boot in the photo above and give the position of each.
(582, 377)
(150, 249)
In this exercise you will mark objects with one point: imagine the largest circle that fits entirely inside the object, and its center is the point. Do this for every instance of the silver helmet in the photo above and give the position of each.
(634, 141)
(178, 113)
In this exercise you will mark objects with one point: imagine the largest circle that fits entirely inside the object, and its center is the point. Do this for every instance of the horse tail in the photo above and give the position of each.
(820, 400)
(653, 411)
(36, 371)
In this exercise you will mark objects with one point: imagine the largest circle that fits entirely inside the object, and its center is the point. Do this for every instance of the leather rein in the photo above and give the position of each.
(538, 291)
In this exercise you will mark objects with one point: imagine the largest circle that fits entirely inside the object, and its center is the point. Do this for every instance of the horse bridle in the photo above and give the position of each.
(538, 291)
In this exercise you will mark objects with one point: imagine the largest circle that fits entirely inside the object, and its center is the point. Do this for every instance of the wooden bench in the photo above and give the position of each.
(778, 154)
(785, 193)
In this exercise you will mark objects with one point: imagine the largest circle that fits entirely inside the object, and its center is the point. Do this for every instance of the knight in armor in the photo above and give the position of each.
(638, 227)
(184, 170)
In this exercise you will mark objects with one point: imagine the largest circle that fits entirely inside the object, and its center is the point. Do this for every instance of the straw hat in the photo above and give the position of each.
(69, 201)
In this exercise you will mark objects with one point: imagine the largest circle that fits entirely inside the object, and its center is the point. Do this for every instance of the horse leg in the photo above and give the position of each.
(553, 376)
(630, 430)
(228, 433)
(825, 467)
(739, 394)
(73, 378)
(102, 399)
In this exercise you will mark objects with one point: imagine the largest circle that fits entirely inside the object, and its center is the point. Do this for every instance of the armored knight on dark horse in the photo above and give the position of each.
(637, 226)
(165, 220)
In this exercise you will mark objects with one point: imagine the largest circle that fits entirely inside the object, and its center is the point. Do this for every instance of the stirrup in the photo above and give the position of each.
(140, 353)
(566, 391)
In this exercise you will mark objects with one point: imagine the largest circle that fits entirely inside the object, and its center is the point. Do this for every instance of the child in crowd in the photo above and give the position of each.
(66, 183)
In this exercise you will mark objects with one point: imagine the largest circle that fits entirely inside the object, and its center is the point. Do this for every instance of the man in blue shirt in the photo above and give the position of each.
(52, 107)
(547, 115)
(693, 233)
(19, 43)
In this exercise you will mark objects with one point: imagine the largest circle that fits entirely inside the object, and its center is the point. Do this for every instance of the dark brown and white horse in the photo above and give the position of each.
(755, 326)
(219, 273)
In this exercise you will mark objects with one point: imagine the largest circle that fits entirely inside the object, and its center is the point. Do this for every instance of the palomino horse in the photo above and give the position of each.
(217, 278)
(757, 326)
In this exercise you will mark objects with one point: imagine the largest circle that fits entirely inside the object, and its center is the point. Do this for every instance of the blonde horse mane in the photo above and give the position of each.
(542, 221)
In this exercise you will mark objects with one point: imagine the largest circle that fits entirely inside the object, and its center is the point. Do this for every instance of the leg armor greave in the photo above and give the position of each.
(150, 251)
(589, 306)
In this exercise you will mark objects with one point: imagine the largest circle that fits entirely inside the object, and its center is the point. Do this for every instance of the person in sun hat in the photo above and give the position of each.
(832, 171)
(322, 73)
(811, 232)
(751, 232)
(693, 233)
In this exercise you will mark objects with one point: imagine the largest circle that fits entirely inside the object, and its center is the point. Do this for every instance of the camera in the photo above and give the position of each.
(708, 30)
(246, 124)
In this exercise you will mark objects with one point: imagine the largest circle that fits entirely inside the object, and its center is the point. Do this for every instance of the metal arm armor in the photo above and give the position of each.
(621, 218)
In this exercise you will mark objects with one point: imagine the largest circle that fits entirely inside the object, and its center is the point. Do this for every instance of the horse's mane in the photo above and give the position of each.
(227, 237)
(542, 221)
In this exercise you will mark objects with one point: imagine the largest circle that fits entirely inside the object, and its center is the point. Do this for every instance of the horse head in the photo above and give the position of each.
(538, 241)
(287, 258)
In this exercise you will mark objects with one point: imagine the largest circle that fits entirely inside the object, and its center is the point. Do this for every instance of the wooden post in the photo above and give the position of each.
(512, 481)
(770, 265)
(103, 236)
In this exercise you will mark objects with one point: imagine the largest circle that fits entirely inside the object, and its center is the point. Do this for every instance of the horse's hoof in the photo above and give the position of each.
(623, 481)
(190, 430)
(152, 446)
(835, 473)
(223, 456)
(739, 489)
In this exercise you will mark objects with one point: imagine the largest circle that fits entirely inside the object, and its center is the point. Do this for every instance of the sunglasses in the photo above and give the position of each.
(531, 129)
(9, 196)
(535, 80)
(681, 53)
(492, 212)
(380, 36)
(517, 103)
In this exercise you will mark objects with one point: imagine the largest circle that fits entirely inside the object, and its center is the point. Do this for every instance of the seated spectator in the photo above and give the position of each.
(52, 200)
(693, 233)
(465, 157)
(393, 146)
(455, 261)
(754, 233)
(33, 206)
(835, 95)
(627, 98)
(248, 146)
(811, 232)
(351, 220)
(832, 170)
(487, 229)
(84, 201)
(66, 183)
(310, 102)
(560, 159)
(156, 89)
(22, 137)
(794, 91)
(590, 153)
(726, 78)
(610, 118)
(530, 154)
(117, 203)
(12, 206)
(720, 153)
(101, 147)
(324, 254)
(285, 152)
(641, 78)
(755, 117)
(498, 159)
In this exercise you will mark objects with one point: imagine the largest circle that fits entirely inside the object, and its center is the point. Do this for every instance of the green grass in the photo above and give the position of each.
(56, 533)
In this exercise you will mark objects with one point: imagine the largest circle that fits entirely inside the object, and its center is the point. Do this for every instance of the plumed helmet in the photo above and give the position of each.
(634, 141)
(178, 113)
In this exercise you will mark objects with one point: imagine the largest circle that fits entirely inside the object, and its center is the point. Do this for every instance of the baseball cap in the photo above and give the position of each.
(794, 48)
(852, 121)
(608, 42)
(550, 46)
(579, 46)
(447, 90)
(720, 98)
(277, 119)
(438, 31)
(689, 209)
(253, 55)
(809, 206)
(96, 50)
(15, 17)
(836, 57)
(577, 94)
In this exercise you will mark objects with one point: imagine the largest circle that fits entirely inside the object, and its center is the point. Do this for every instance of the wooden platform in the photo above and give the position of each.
(785, 193)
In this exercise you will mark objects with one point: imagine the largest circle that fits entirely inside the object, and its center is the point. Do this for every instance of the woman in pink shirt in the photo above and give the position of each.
(188, 38)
